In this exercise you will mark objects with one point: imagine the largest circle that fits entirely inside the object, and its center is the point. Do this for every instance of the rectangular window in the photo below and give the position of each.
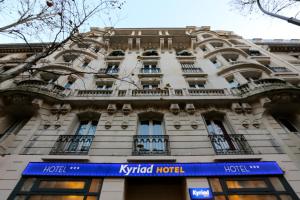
(112, 69)
(287, 125)
(233, 83)
(50, 188)
(62, 185)
(251, 188)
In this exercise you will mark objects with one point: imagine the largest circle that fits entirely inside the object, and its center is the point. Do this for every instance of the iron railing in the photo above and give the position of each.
(151, 145)
(150, 70)
(72, 144)
(230, 144)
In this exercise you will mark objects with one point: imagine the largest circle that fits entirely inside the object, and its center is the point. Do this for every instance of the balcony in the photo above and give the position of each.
(150, 92)
(261, 85)
(93, 93)
(230, 144)
(72, 145)
(41, 86)
(151, 145)
(192, 70)
(206, 92)
(150, 72)
(108, 72)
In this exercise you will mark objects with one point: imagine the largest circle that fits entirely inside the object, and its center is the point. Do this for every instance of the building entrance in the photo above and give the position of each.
(155, 189)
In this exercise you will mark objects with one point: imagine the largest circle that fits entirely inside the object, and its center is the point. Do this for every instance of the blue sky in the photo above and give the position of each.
(218, 14)
(215, 13)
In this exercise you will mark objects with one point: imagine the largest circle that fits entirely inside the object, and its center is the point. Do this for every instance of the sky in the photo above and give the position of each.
(218, 14)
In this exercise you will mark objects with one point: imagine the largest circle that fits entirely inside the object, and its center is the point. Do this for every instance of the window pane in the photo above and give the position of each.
(239, 184)
(62, 184)
(252, 197)
(277, 184)
(28, 184)
(95, 185)
(219, 198)
(157, 128)
(20, 197)
(92, 198)
(92, 128)
(286, 197)
(288, 125)
(144, 128)
(56, 197)
(215, 184)
(82, 128)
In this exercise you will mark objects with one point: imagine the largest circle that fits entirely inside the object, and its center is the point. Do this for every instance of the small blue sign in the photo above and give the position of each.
(152, 169)
(200, 193)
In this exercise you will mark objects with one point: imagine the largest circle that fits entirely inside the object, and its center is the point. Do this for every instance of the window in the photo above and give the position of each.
(233, 83)
(230, 57)
(150, 68)
(112, 69)
(287, 125)
(150, 127)
(48, 188)
(253, 52)
(150, 138)
(68, 84)
(216, 63)
(184, 53)
(85, 130)
(117, 53)
(203, 48)
(223, 142)
(149, 86)
(104, 86)
(217, 44)
(85, 64)
(251, 188)
(14, 127)
(197, 85)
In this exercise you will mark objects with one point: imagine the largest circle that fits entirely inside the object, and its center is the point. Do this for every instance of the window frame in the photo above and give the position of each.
(270, 190)
(34, 190)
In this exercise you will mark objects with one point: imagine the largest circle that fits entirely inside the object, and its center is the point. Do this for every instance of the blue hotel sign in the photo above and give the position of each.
(200, 193)
(152, 169)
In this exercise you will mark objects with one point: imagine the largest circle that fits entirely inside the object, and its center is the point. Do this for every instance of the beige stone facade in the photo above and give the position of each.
(169, 95)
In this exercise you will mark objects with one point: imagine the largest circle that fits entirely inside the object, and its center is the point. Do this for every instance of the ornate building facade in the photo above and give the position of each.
(144, 113)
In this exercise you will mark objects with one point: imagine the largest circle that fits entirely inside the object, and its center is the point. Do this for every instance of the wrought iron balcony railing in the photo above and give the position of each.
(72, 144)
(151, 145)
(191, 70)
(230, 144)
(150, 70)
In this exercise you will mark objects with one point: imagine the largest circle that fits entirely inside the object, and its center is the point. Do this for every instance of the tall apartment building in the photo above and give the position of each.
(151, 113)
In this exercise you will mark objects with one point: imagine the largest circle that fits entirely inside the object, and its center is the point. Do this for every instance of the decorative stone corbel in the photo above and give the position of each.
(107, 125)
(126, 109)
(124, 125)
(256, 123)
(246, 123)
(190, 108)
(55, 108)
(264, 102)
(174, 108)
(37, 103)
(65, 108)
(247, 108)
(177, 124)
(194, 124)
(111, 108)
(236, 107)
